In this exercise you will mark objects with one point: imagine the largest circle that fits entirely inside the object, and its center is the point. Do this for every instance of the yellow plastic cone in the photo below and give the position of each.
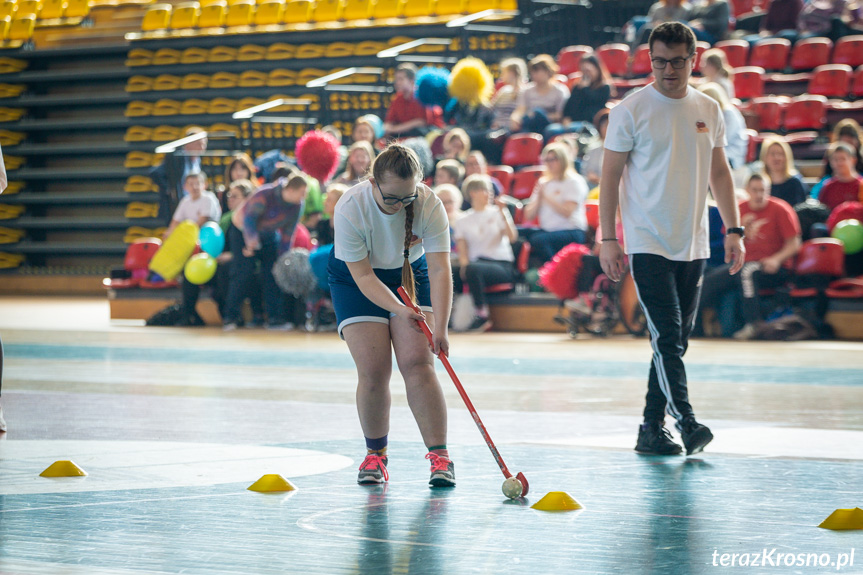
(63, 469)
(271, 483)
(844, 519)
(557, 501)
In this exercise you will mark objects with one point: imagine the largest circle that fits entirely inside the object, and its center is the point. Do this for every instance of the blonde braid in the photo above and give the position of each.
(407, 271)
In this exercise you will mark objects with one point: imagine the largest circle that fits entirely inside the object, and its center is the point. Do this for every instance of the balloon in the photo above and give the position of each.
(212, 238)
(200, 268)
(850, 233)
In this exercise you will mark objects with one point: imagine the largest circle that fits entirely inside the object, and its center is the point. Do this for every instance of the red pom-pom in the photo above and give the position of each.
(318, 155)
(845, 211)
(560, 275)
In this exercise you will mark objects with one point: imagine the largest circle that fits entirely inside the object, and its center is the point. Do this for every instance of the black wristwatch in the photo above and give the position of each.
(738, 231)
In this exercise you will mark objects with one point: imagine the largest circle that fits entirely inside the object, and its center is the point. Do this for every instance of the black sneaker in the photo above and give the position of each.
(479, 325)
(654, 439)
(695, 436)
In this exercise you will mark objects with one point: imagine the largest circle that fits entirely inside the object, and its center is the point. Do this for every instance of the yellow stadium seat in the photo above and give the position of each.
(253, 79)
(269, 12)
(339, 50)
(309, 51)
(240, 13)
(205, 3)
(280, 51)
(306, 75)
(327, 11)
(449, 7)
(5, 24)
(193, 107)
(213, 14)
(280, 77)
(251, 53)
(166, 56)
(357, 10)
(139, 84)
(246, 103)
(508, 5)
(195, 82)
(298, 12)
(8, 8)
(166, 133)
(166, 108)
(11, 65)
(166, 82)
(474, 6)
(139, 57)
(185, 15)
(419, 8)
(11, 114)
(368, 48)
(13, 162)
(222, 53)
(137, 109)
(77, 8)
(11, 90)
(136, 159)
(22, 28)
(194, 55)
(223, 80)
(222, 106)
(53, 9)
(225, 128)
(14, 188)
(28, 8)
(156, 18)
(388, 9)
(138, 134)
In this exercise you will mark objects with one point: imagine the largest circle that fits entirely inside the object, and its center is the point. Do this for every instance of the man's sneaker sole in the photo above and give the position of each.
(371, 480)
(644, 451)
(441, 481)
(699, 441)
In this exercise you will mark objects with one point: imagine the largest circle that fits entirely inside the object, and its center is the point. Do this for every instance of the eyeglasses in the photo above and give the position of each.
(394, 200)
(676, 63)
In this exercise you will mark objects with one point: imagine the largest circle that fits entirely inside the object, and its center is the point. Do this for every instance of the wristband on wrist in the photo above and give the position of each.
(609, 239)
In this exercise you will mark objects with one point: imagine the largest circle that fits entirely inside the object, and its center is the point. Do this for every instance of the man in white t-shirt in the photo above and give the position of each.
(197, 205)
(665, 144)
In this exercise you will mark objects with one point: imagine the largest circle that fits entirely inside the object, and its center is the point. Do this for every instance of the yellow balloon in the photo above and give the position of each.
(200, 268)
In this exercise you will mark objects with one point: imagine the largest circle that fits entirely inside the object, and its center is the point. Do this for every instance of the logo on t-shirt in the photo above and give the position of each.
(701, 127)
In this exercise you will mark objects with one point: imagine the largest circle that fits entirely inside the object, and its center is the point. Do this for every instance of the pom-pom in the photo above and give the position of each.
(421, 147)
(560, 275)
(293, 273)
(431, 86)
(471, 82)
(318, 155)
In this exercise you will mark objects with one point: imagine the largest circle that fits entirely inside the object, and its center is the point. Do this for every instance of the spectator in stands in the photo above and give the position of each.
(735, 126)
(542, 101)
(241, 167)
(484, 239)
(473, 119)
(324, 232)
(715, 68)
(237, 193)
(448, 172)
(709, 20)
(817, 17)
(267, 220)
(406, 115)
(513, 79)
(772, 239)
(640, 27)
(846, 184)
(199, 205)
(591, 164)
(558, 201)
(337, 134)
(786, 182)
(360, 156)
(453, 202)
(847, 131)
(170, 175)
(588, 97)
(364, 130)
(477, 164)
(456, 145)
(780, 19)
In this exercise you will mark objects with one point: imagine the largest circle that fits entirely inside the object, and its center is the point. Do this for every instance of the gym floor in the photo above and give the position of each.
(172, 425)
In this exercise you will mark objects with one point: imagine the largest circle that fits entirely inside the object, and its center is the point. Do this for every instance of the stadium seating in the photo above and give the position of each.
(569, 58)
(22, 28)
(768, 110)
(849, 50)
(641, 64)
(748, 82)
(522, 150)
(736, 51)
(327, 10)
(298, 11)
(615, 57)
(240, 13)
(269, 12)
(53, 9)
(810, 53)
(357, 9)
(524, 181)
(770, 54)
(857, 85)
(385, 9)
(504, 176)
(213, 14)
(185, 15)
(831, 80)
(806, 112)
(157, 17)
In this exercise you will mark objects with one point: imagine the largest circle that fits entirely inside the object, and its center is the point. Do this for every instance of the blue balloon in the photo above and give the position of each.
(212, 239)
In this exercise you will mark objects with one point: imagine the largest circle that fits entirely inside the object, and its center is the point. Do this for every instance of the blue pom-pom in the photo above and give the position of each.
(432, 86)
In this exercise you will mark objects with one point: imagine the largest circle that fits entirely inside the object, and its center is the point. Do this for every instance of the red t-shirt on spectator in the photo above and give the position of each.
(768, 229)
(834, 192)
(402, 110)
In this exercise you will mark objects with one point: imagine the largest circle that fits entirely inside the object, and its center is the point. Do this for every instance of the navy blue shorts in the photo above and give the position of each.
(352, 306)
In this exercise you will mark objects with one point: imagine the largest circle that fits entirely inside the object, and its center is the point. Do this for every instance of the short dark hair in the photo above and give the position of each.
(759, 177)
(672, 33)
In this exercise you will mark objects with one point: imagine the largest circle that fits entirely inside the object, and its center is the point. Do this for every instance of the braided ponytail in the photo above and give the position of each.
(407, 271)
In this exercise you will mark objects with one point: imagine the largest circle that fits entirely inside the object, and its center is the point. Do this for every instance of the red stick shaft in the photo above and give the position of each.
(443, 358)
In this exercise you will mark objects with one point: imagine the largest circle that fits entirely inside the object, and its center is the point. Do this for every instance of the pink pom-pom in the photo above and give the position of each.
(560, 275)
(318, 155)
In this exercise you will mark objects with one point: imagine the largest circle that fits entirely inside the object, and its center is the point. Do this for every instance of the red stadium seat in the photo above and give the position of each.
(770, 54)
(503, 175)
(849, 50)
(591, 207)
(700, 48)
(615, 57)
(810, 53)
(748, 82)
(737, 51)
(137, 262)
(831, 80)
(806, 113)
(524, 181)
(752, 147)
(641, 65)
(768, 110)
(822, 256)
(857, 85)
(522, 150)
(569, 58)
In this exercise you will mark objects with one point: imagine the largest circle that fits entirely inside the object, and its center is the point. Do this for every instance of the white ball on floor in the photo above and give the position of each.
(512, 487)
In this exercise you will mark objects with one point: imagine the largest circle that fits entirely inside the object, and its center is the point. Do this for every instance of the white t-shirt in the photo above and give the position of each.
(572, 188)
(663, 198)
(206, 205)
(362, 229)
(485, 235)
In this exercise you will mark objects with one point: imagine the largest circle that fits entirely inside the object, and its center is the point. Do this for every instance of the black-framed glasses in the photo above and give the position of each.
(394, 200)
(676, 63)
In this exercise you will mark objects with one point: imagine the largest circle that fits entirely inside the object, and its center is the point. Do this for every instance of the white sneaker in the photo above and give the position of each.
(2, 421)
(231, 326)
(578, 305)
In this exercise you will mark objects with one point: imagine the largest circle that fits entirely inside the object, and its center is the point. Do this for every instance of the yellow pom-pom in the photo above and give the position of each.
(471, 82)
